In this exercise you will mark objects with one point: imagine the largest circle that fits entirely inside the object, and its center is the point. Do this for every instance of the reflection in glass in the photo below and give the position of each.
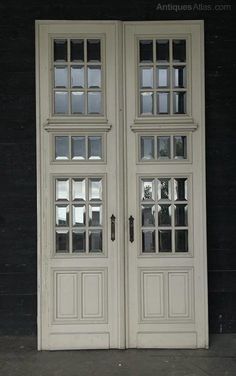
(162, 50)
(146, 51)
(95, 241)
(164, 215)
(95, 215)
(146, 103)
(148, 241)
(163, 147)
(95, 147)
(78, 189)
(147, 147)
(61, 147)
(77, 77)
(60, 50)
(164, 189)
(61, 102)
(164, 237)
(93, 50)
(78, 150)
(94, 76)
(180, 147)
(60, 77)
(179, 50)
(179, 103)
(181, 215)
(94, 102)
(180, 189)
(62, 189)
(77, 50)
(148, 215)
(147, 189)
(62, 215)
(162, 77)
(78, 212)
(163, 103)
(179, 77)
(62, 241)
(95, 189)
(79, 241)
(146, 77)
(77, 102)
(181, 241)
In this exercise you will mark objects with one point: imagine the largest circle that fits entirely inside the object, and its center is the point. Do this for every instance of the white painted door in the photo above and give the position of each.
(120, 133)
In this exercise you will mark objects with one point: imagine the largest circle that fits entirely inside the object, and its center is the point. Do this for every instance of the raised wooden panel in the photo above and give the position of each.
(66, 295)
(179, 294)
(152, 295)
(92, 295)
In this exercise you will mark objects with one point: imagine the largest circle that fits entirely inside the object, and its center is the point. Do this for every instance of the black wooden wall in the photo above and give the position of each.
(18, 152)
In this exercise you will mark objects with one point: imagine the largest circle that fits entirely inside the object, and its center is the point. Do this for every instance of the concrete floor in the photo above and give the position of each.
(19, 357)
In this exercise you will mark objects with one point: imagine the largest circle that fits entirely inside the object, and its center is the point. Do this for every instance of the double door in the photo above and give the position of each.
(121, 189)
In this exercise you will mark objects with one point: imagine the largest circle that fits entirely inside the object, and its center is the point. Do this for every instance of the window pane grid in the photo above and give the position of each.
(163, 148)
(72, 87)
(164, 215)
(82, 148)
(167, 77)
(79, 218)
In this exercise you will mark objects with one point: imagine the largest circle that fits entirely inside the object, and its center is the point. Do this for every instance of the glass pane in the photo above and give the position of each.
(78, 149)
(181, 241)
(94, 77)
(77, 77)
(94, 102)
(95, 241)
(179, 77)
(181, 215)
(146, 103)
(61, 147)
(77, 102)
(61, 102)
(146, 77)
(62, 189)
(93, 50)
(62, 241)
(162, 50)
(77, 50)
(146, 51)
(179, 103)
(180, 189)
(60, 77)
(62, 215)
(148, 241)
(95, 147)
(164, 215)
(164, 189)
(147, 189)
(60, 50)
(163, 77)
(78, 189)
(79, 241)
(163, 147)
(179, 50)
(164, 241)
(95, 189)
(163, 103)
(147, 147)
(148, 215)
(95, 215)
(79, 212)
(180, 147)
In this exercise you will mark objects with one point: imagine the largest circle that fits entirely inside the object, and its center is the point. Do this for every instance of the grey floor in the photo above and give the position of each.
(18, 357)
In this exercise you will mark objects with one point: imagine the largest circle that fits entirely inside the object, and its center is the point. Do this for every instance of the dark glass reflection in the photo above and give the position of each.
(77, 50)
(162, 50)
(164, 237)
(181, 241)
(146, 51)
(148, 241)
(60, 50)
(93, 50)
(179, 50)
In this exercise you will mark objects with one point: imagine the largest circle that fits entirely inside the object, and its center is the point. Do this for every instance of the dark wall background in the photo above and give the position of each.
(18, 151)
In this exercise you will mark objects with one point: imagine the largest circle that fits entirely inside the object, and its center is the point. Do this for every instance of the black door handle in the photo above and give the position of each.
(131, 229)
(113, 227)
